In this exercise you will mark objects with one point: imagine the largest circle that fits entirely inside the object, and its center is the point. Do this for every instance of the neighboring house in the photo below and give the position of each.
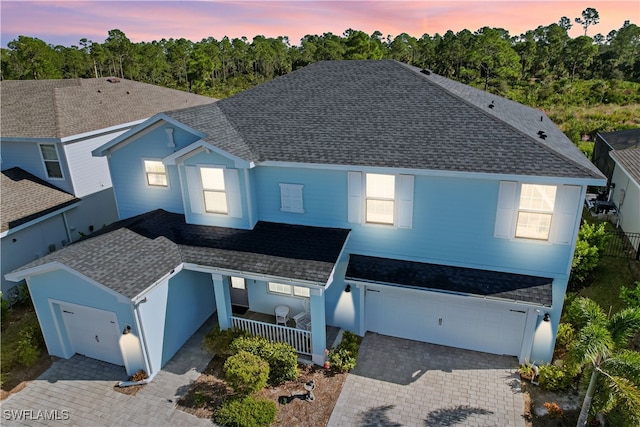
(625, 189)
(606, 142)
(366, 195)
(34, 220)
(50, 127)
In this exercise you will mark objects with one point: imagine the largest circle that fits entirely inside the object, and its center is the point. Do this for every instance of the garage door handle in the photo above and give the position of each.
(97, 338)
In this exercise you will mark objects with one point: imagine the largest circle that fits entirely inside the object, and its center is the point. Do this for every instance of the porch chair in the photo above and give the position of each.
(303, 319)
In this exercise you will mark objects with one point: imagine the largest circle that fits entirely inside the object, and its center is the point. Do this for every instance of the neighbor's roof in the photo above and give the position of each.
(132, 254)
(386, 114)
(61, 108)
(436, 277)
(629, 159)
(26, 197)
(622, 139)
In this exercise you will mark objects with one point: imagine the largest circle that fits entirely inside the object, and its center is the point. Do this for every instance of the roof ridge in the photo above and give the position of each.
(496, 119)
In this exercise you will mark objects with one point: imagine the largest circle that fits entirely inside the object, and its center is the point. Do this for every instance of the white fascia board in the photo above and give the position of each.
(141, 296)
(441, 173)
(98, 132)
(253, 276)
(199, 146)
(39, 219)
(56, 265)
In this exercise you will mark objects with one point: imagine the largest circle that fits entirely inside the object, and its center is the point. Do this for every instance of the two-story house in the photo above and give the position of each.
(365, 195)
(49, 129)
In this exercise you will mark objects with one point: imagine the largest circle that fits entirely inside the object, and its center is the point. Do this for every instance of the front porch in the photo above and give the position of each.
(264, 325)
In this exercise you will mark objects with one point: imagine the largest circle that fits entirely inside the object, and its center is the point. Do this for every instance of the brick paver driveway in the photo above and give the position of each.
(400, 382)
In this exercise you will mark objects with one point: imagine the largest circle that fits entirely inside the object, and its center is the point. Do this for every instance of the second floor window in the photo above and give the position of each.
(215, 196)
(535, 211)
(51, 161)
(380, 193)
(156, 173)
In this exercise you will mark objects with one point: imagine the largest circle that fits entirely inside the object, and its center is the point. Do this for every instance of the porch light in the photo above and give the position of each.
(347, 289)
(546, 317)
(127, 329)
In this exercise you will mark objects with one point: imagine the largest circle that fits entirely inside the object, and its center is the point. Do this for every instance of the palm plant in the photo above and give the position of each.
(600, 346)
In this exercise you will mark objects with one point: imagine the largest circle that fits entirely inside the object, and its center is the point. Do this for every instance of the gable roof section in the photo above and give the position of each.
(26, 198)
(386, 114)
(61, 108)
(629, 160)
(131, 255)
(509, 286)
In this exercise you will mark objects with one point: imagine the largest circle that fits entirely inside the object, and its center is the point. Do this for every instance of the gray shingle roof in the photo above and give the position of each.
(61, 108)
(26, 197)
(515, 287)
(622, 139)
(132, 254)
(386, 114)
(629, 159)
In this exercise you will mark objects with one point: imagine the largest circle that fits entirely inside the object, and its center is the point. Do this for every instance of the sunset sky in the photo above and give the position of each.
(66, 22)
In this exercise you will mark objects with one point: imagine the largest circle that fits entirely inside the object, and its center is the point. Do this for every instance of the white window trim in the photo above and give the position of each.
(44, 162)
(146, 178)
(287, 201)
(195, 191)
(403, 200)
(550, 214)
(238, 282)
(292, 290)
(205, 190)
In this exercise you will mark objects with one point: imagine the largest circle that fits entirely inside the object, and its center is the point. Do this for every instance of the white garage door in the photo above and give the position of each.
(464, 322)
(92, 332)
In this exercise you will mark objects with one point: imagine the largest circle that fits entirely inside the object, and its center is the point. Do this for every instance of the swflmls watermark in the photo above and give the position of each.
(35, 414)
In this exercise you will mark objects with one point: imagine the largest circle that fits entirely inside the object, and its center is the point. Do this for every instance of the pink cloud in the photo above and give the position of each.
(66, 22)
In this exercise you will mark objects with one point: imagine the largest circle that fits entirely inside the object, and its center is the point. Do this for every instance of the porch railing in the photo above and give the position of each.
(298, 338)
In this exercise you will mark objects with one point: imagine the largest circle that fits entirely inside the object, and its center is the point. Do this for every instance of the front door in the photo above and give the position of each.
(238, 292)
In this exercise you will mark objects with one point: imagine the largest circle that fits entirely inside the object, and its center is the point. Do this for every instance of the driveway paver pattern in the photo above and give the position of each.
(399, 382)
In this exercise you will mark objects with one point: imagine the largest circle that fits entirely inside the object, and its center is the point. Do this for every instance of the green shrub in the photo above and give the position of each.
(556, 378)
(631, 296)
(4, 305)
(219, 342)
(29, 346)
(246, 372)
(565, 336)
(591, 237)
(281, 357)
(343, 357)
(23, 296)
(246, 412)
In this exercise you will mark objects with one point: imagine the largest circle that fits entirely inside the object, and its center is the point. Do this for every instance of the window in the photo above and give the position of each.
(238, 282)
(281, 288)
(51, 161)
(156, 173)
(215, 196)
(291, 198)
(535, 211)
(380, 193)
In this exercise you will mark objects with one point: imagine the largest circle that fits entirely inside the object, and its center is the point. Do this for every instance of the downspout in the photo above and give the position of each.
(66, 226)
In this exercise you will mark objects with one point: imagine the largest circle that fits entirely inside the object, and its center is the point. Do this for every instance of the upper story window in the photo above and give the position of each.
(380, 196)
(51, 161)
(380, 199)
(291, 198)
(156, 173)
(213, 187)
(535, 211)
(538, 212)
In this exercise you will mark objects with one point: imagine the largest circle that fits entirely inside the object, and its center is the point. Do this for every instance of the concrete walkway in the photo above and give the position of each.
(399, 382)
(79, 392)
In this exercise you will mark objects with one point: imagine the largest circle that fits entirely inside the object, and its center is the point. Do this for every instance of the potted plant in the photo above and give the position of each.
(526, 371)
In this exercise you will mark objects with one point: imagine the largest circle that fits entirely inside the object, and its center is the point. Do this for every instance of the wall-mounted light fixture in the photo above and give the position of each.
(546, 317)
(347, 289)
(127, 329)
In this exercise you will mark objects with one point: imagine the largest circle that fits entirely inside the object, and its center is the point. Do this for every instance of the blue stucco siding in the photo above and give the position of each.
(133, 195)
(63, 286)
(190, 302)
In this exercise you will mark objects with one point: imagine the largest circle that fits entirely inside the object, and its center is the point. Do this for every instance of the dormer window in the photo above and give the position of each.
(156, 173)
(215, 196)
(51, 161)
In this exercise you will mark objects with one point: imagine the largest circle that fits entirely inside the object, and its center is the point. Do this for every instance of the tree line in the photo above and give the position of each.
(489, 58)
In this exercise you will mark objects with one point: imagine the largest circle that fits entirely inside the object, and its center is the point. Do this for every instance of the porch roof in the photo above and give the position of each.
(508, 286)
(132, 254)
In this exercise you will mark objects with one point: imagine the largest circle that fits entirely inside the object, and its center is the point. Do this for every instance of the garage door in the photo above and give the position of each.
(464, 322)
(93, 333)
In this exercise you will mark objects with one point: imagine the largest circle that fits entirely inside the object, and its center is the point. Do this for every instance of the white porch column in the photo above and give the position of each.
(318, 326)
(223, 300)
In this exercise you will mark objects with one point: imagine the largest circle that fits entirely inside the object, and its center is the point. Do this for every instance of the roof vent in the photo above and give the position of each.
(492, 105)
(425, 71)
(113, 80)
(541, 117)
(542, 135)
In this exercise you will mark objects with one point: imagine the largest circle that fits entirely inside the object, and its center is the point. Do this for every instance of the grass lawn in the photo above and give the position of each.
(610, 275)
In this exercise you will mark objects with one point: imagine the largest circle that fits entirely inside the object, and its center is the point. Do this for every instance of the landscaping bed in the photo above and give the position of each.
(209, 390)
